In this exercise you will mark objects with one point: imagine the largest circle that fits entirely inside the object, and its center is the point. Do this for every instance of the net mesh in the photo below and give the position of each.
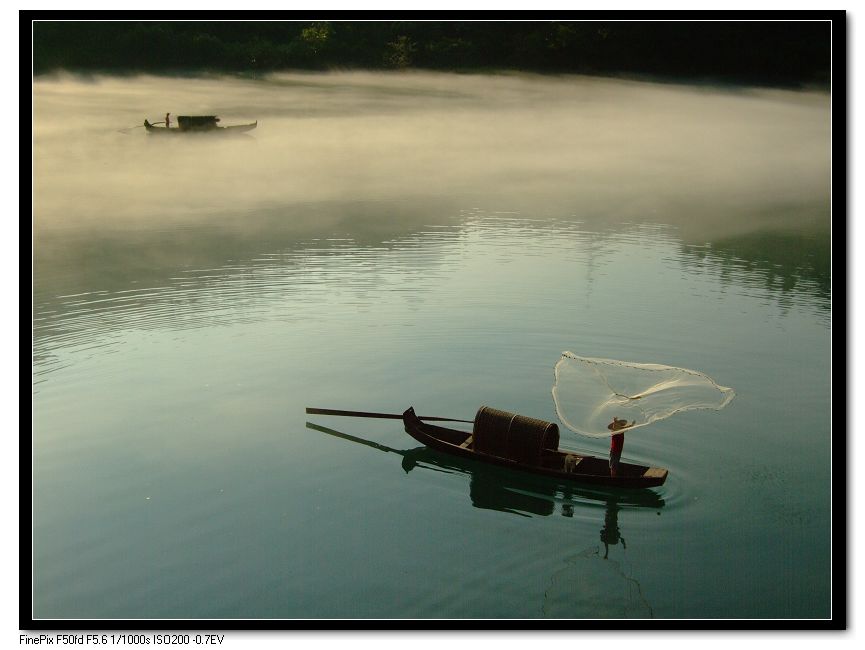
(589, 393)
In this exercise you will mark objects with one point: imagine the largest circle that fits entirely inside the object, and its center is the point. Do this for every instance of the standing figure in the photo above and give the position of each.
(617, 442)
(167, 120)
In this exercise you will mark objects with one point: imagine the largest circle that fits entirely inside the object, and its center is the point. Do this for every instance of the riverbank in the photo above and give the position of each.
(780, 53)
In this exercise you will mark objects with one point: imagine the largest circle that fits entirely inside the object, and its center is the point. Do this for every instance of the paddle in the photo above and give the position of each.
(389, 416)
(128, 129)
(339, 434)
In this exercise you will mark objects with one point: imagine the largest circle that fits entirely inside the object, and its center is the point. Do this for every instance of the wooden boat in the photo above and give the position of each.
(198, 124)
(519, 443)
(497, 488)
(553, 462)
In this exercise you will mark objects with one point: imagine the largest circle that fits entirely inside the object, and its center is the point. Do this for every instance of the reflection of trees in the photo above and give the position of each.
(104, 277)
(108, 257)
(785, 263)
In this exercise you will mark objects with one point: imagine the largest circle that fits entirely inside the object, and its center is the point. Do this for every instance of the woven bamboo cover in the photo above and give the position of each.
(517, 437)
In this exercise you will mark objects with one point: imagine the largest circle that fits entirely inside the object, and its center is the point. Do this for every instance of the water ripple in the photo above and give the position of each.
(449, 268)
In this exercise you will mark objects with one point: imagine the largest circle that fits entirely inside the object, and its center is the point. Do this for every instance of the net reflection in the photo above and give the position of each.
(525, 495)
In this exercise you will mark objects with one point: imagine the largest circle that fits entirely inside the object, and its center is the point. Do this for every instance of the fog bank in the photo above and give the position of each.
(431, 144)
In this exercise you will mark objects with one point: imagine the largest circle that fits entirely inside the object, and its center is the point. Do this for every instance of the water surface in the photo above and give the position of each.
(382, 241)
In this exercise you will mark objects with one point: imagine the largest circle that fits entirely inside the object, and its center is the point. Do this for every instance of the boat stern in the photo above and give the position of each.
(409, 418)
(655, 476)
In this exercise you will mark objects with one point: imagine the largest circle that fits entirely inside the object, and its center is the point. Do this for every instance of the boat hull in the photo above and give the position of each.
(221, 130)
(562, 465)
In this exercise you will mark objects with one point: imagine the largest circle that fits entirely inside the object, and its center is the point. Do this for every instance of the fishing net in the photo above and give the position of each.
(590, 393)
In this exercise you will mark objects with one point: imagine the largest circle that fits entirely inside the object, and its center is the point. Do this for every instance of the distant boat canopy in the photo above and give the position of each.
(589, 393)
(197, 122)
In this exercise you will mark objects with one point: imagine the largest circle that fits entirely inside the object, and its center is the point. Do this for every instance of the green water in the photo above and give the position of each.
(382, 241)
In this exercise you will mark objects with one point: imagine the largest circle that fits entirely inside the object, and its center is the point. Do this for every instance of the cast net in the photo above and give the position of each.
(590, 393)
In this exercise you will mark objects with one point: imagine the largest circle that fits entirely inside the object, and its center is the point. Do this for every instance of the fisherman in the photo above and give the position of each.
(617, 442)
(167, 120)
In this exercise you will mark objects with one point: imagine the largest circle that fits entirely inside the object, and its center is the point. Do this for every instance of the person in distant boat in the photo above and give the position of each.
(617, 442)
(167, 120)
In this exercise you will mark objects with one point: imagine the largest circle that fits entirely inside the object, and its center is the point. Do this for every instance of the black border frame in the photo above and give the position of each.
(839, 454)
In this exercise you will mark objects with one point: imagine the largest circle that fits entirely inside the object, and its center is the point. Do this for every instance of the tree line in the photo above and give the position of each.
(774, 52)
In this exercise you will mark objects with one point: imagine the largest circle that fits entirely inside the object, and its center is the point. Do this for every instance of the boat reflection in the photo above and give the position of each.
(589, 584)
(526, 495)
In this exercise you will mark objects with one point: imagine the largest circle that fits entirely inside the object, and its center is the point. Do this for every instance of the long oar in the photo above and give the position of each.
(345, 436)
(388, 416)
(129, 129)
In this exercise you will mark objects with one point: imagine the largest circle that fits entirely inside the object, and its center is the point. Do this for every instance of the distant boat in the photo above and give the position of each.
(520, 443)
(198, 124)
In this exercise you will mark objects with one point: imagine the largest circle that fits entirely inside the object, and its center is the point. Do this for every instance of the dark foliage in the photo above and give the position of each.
(781, 52)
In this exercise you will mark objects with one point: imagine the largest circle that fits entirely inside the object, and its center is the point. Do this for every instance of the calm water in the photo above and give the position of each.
(382, 241)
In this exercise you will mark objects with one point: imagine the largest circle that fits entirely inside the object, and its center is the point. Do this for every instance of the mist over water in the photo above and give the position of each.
(602, 148)
(437, 240)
